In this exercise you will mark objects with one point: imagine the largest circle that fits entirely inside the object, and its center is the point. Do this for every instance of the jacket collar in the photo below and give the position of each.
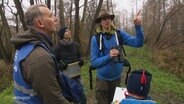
(100, 30)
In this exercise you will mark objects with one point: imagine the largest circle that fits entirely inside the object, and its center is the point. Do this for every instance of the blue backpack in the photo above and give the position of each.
(71, 89)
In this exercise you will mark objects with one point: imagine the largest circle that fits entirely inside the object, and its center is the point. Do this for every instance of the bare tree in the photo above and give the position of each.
(83, 20)
(164, 28)
(84, 14)
(173, 11)
(108, 6)
(32, 2)
(16, 16)
(5, 34)
(71, 8)
(20, 12)
(93, 26)
(55, 7)
(61, 13)
(48, 3)
(77, 25)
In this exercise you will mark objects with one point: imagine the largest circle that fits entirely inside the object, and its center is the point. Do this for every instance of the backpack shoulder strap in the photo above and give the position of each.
(91, 68)
(120, 38)
(99, 39)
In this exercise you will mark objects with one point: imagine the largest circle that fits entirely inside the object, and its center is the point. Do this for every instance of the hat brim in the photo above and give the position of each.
(99, 18)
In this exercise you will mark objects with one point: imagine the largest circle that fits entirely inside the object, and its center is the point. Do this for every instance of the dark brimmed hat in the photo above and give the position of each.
(139, 82)
(104, 13)
(61, 32)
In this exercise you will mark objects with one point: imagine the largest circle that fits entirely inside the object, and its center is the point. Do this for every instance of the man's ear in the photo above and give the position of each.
(39, 23)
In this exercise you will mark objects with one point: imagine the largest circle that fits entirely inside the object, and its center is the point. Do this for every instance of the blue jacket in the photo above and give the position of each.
(131, 100)
(106, 68)
(24, 93)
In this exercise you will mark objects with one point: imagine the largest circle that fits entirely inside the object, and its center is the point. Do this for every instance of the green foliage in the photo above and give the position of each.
(167, 88)
(6, 97)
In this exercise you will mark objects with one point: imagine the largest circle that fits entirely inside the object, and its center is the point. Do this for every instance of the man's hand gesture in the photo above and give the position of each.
(137, 19)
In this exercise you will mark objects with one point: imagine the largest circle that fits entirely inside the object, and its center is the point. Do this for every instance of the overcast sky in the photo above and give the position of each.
(128, 4)
(120, 5)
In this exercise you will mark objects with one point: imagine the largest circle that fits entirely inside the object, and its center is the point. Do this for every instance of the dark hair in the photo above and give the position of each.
(61, 32)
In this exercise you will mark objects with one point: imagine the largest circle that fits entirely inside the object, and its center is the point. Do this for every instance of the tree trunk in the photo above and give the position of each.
(84, 13)
(17, 23)
(5, 35)
(71, 8)
(77, 25)
(172, 12)
(93, 26)
(20, 12)
(108, 7)
(55, 9)
(112, 7)
(48, 3)
(61, 13)
(83, 23)
(32, 2)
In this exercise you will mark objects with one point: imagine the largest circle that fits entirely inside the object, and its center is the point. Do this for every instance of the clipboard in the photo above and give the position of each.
(73, 70)
(119, 94)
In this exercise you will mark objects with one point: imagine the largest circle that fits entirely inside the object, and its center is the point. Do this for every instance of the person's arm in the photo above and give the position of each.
(96, 60)
(42, 75)
(138, 40)
(134, 41)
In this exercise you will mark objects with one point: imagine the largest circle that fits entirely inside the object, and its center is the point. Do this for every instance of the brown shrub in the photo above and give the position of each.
(171, 60)
(5, 75)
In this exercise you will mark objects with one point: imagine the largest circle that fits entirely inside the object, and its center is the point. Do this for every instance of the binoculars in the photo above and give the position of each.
(120, 57)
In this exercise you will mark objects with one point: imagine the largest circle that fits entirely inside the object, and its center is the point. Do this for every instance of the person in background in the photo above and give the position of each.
(138, 87)
(68, 51)
(104, 53)
(34, 70)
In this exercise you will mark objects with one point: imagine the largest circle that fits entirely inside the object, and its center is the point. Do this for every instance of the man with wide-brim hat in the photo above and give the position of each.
(103, 14)
(104, 51)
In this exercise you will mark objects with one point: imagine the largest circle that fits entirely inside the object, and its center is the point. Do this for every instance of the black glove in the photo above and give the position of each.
(65, 66)
(81, 62)
(92, 68)
(62, 66)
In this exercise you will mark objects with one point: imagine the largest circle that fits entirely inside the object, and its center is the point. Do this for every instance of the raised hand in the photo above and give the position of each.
(137, 19)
